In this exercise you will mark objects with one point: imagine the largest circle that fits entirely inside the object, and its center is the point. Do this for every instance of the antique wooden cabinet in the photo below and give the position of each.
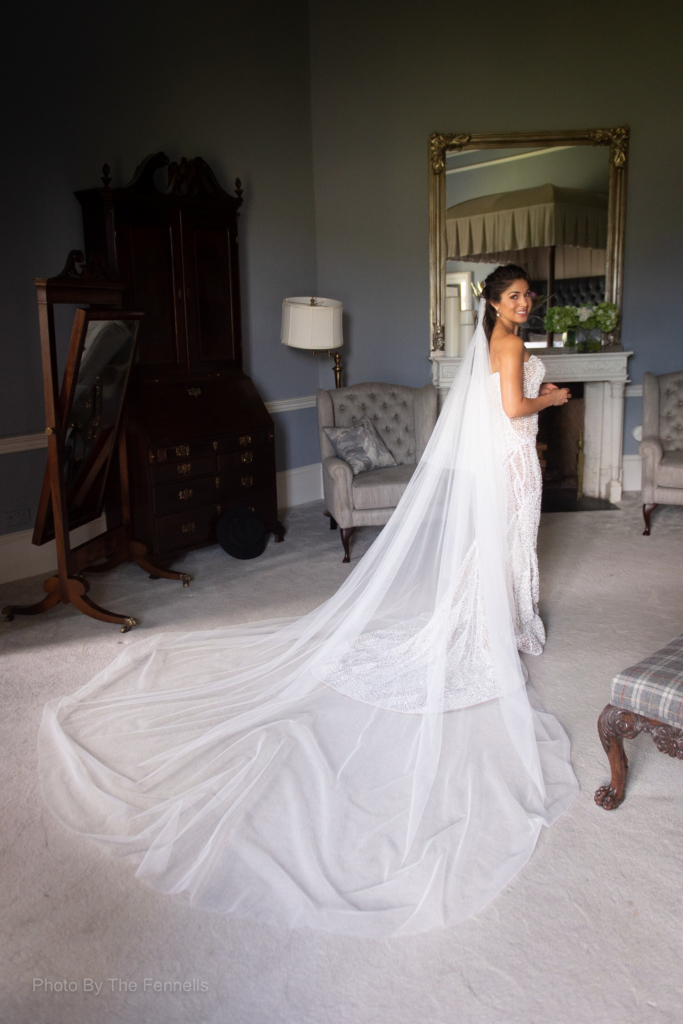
(200, 439)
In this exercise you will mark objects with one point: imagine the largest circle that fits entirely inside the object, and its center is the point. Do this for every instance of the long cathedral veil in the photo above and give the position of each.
(374, 767)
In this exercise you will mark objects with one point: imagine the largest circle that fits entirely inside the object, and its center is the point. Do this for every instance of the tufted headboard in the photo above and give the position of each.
(404, 417)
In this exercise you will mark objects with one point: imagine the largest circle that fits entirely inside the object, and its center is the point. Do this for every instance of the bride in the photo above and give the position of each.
(379, 766)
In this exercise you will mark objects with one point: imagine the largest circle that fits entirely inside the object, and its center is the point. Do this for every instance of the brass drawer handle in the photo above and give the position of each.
(184, 449)
(187, 493)
(247, 456)
(246, 439)
(215, 446)
(194, 392)
(218, 509)
(218, 481)
(247, 481)
(185, 467)
(188, 527)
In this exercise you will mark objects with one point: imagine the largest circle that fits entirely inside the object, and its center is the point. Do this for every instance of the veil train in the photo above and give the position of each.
(374, 768)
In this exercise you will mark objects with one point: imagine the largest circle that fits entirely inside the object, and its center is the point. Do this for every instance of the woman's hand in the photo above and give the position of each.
(558, 396)
(547, 388)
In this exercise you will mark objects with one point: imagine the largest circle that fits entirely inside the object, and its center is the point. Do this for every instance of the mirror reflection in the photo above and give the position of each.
(95, 410)
(543, 208)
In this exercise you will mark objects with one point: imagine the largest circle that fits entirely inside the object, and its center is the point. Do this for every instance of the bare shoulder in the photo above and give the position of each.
(507, 350)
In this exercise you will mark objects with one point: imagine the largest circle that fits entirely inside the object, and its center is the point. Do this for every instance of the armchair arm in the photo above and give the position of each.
(337, 488)
(651, 450)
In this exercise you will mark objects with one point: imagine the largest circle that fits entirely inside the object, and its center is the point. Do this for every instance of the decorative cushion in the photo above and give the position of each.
(654, 687)
(383, 488)
(360, 446)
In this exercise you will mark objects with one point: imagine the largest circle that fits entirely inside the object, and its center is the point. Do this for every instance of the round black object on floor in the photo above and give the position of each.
(241, 533)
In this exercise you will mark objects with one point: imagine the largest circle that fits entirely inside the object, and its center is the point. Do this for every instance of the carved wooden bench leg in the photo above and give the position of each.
(614, 726)
(345, 538)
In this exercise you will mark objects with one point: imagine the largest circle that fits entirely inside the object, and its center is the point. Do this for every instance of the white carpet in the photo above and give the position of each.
(589, 932)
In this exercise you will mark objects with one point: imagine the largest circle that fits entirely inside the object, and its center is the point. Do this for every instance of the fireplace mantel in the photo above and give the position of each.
(605, 375)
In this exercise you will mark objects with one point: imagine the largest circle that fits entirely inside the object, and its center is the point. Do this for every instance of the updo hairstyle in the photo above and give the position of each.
(494, 286)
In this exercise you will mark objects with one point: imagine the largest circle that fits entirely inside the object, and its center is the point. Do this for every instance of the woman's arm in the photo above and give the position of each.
(511, 367)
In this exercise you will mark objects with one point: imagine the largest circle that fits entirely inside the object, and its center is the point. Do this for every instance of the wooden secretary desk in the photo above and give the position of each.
(200, 439)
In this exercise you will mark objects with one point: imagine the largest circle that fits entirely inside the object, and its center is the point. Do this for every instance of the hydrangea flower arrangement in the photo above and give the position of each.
(604, 317)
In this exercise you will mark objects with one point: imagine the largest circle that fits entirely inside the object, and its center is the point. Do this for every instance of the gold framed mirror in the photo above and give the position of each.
(560, 210)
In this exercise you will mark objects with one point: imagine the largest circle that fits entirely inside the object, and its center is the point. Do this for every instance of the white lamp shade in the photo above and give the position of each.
(313, 327)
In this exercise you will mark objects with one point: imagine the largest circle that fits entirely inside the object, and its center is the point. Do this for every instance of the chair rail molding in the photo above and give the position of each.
(22, 443)
(29, 442)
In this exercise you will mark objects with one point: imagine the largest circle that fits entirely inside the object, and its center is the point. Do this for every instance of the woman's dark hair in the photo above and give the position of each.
(494, 286)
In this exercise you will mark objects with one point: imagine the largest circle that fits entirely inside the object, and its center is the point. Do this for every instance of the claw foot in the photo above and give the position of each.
(608, 798)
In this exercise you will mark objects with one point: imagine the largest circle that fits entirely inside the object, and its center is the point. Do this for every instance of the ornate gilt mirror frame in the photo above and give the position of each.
(442, 144)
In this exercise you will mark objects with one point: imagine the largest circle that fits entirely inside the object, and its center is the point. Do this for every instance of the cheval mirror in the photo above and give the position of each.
(84, 435)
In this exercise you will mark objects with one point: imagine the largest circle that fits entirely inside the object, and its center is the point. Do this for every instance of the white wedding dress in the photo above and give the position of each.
(378, 767)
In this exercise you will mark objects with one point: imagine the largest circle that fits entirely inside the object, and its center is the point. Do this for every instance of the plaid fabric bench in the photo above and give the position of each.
(648, 697)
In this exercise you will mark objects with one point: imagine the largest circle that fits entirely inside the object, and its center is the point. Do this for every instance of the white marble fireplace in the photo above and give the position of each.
(604, 375)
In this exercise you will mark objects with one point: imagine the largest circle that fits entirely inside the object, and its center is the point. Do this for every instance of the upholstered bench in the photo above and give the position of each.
(645, 698)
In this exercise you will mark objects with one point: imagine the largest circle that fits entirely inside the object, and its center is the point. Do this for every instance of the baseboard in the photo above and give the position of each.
(20, 558)
(632, 473)
(299, 486)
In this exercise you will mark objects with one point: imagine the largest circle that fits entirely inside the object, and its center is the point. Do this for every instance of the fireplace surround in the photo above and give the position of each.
(604, 376)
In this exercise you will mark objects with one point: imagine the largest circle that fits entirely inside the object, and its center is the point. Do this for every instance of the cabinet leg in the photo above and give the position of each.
(647, 512)
(279, 532)
(345, 538)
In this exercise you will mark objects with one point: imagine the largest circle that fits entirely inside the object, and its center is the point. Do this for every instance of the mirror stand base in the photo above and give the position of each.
(74, 589)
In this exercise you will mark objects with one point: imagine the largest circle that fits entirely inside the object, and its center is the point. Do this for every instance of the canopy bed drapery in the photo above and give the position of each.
(520, 226)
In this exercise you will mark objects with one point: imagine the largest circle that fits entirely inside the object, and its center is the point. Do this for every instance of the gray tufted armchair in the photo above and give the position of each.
(404, 418)
(662, 444)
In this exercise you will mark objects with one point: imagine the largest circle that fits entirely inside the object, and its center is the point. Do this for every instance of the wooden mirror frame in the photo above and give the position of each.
(48, 512)
(81, 282)
(441, 144)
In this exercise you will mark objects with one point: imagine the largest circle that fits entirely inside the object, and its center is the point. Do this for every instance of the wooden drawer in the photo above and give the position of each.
(192, 492)
(187, 529)
(185, 494)
(248, 460)
(249, 439)
(197, 526)
(184, 470)
(245, 482)
(182, 451)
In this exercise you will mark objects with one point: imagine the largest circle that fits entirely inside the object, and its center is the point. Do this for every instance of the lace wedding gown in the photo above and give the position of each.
(375, 768)
(524, 483)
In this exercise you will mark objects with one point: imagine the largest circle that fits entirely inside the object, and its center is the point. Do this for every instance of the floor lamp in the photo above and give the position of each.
(314, 324)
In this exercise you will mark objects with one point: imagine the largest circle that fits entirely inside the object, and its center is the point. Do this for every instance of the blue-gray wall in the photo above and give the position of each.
(89, 83)
(384, 76)
(332, 148)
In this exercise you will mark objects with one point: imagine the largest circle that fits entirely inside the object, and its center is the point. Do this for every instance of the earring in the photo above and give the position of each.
(497, 312)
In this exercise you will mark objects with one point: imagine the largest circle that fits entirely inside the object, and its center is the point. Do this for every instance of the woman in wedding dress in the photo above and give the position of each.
(379, 766)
